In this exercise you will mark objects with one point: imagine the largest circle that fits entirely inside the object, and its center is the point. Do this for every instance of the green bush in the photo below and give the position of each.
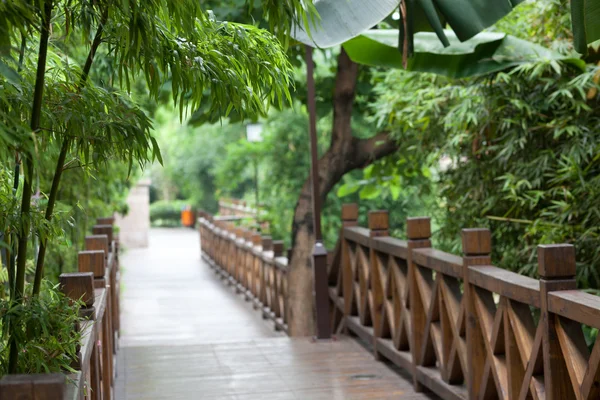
(166, 213)
(44, 330)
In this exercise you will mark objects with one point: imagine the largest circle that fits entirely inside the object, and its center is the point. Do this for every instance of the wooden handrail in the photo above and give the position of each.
(254, 264)
(97, 284)
(460, 326)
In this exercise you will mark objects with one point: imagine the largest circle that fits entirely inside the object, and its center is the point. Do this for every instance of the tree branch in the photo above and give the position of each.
(373, 149)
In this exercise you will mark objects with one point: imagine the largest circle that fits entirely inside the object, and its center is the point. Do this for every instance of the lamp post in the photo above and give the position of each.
(319, 254)
(254, 135)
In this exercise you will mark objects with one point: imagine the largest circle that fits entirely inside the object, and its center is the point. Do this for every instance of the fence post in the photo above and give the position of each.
(418, 233)
(80, 286)
(321, 290)
(349, 219)
(267, 245)
(556, 266)
(238, 267)
(104, 230)
(94, 261)
(255, 241)
(378, 222)
(476, 246)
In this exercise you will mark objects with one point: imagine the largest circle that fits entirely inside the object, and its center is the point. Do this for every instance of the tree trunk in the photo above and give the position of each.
(345, 153)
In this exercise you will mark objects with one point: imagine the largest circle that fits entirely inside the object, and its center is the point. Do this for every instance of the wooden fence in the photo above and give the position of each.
(254, 264)
(97, 284)
(460, 326)
(234, 209)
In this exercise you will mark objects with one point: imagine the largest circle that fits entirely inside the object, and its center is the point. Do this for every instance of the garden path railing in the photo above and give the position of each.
(254, 264)
(460, 326)
(97, 285)
(234, 209)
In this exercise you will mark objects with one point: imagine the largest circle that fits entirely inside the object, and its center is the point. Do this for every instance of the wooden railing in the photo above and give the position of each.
(460, 326)
(254, 264)
(97, 285)
(234, 209)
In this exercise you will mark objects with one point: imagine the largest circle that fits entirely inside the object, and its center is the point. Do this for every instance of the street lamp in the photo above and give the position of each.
(254, 135)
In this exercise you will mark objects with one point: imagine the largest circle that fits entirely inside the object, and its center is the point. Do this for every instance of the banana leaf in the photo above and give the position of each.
(585, 18)
(485, 53)
(341, 20)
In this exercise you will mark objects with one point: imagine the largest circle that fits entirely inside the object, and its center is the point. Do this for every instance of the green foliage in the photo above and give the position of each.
(190, 156)
(483, 54)
(166, 213)
(522, 157)
(44, 327)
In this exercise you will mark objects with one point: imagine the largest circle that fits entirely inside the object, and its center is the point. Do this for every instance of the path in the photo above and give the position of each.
(186, 335)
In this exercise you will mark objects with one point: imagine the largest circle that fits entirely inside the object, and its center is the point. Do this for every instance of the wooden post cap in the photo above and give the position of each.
(267, 243)
(104, 230)
(92, 261)
(105, 221)
(350, 212)
(476, 241)
(256, 239)
(378, 220)
(418, 228)
(556, 261)
(97, 242)
(78, 285)
(278, 248)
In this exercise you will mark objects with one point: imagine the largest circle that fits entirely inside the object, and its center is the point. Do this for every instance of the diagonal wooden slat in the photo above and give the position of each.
(590, 388)
(495, 352)
(516, 370)
(574, 351)
(487, 389)
(432, 346)
(486, 309)
(533, 381)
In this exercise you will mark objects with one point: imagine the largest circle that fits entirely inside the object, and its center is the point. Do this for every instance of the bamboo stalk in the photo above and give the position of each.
(36, 115)
(60, 163)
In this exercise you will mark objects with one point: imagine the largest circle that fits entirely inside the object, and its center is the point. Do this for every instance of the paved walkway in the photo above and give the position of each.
(171, 297)
(186, 335)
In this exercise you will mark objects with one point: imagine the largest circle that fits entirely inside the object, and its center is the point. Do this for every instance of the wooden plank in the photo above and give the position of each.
(87, 342)
(100, 297)
(506, 283)
(390, 245)
(576, 305)
(72, 388)
(357, 234)
(337, 300)
(430, 378)
(403, 359)
(281, 263)
(366, 333)
(445, 263)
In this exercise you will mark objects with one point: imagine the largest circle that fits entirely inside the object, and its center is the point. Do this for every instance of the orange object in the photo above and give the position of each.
(187, 218)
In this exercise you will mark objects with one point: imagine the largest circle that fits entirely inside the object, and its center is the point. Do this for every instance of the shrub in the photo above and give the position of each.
(44, 330)
(166, 213)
